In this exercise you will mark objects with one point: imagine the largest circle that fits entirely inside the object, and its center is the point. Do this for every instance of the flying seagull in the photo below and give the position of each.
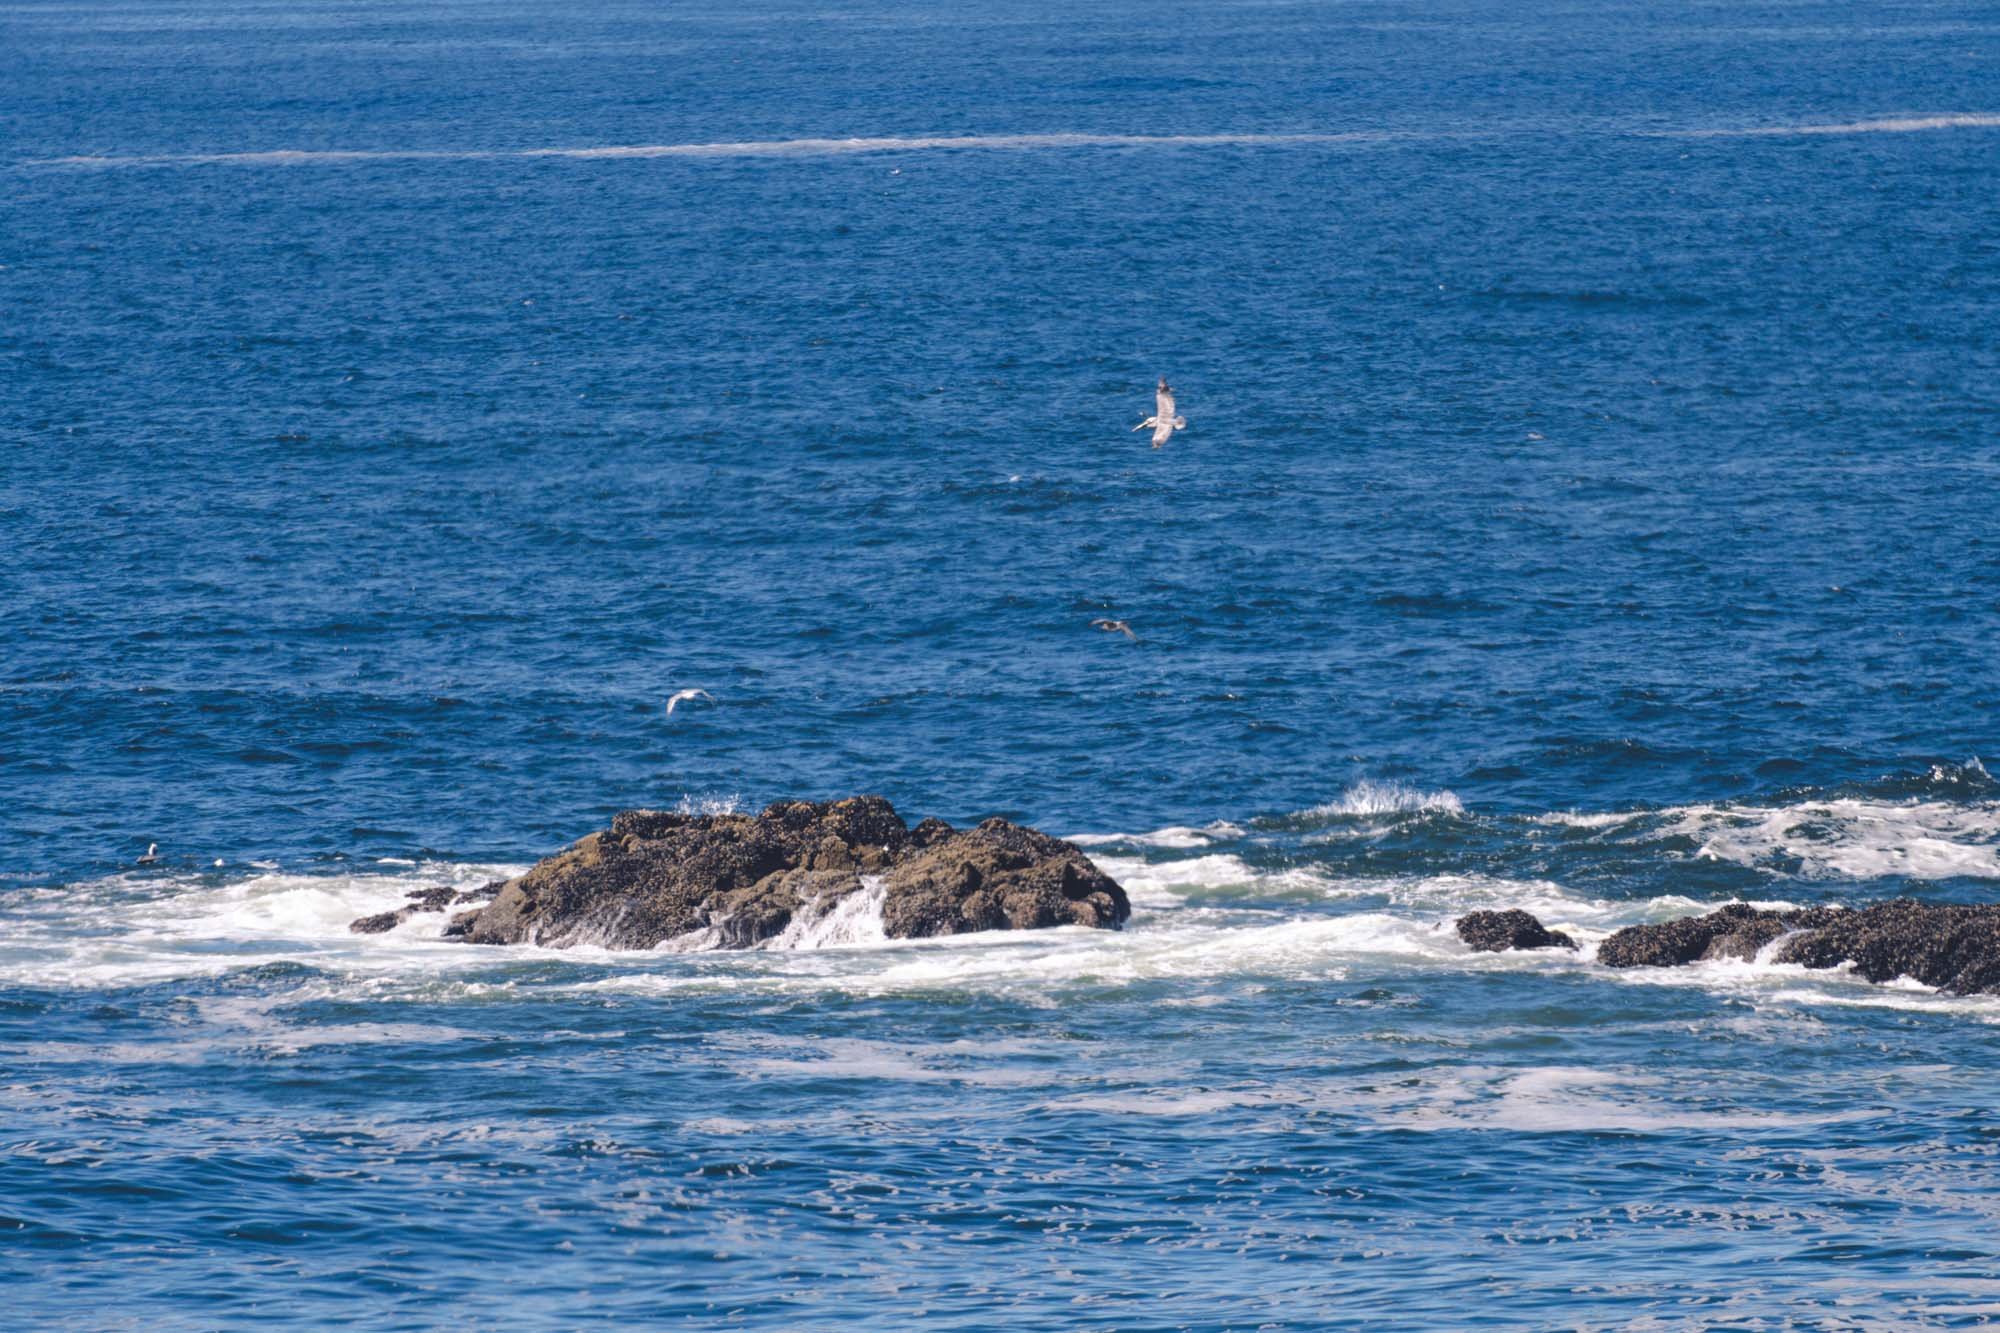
(1163, 421)
(1114, 627)
(684, 696)
(152, 856)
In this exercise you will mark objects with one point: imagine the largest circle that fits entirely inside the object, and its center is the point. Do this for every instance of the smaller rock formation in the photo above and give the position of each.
(1495, 932)
(423, 900)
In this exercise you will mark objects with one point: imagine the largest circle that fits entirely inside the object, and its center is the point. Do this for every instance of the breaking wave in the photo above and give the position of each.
(1387, 798)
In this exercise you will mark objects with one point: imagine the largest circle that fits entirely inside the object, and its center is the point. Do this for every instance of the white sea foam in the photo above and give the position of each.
(1167, 885)
(1178, 1101)
(1588, 820)
(1174, 836)
(853, 920)
(129, 930)
(993, 1064)
(848, 921)
(1848, 838)
(1213, 918)
(1562, 1099)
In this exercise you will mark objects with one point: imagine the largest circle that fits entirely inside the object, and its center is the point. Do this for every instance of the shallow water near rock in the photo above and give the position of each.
(1586, 509)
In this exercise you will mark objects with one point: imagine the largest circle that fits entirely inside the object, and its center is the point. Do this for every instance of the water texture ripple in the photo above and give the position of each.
(1586, 506)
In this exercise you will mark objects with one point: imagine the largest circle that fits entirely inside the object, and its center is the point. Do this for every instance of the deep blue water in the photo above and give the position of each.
(1588, 504)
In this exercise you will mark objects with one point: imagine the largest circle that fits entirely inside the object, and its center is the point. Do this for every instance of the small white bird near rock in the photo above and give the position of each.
(152, 856)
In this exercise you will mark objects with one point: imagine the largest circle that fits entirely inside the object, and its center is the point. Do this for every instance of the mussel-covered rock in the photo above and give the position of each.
(733, 881)
(1495, 932)
(1952, 946)
(1737, 931)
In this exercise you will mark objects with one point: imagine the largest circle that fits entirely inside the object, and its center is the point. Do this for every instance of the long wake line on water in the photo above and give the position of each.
(990, 142)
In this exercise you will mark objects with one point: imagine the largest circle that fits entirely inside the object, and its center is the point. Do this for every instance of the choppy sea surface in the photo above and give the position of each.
(1588, 505)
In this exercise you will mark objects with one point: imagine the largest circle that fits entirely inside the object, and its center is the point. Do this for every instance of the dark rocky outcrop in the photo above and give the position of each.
(732, 881)
(1954, 947)
(998, 876)
(1737, 931)
(1494, 932)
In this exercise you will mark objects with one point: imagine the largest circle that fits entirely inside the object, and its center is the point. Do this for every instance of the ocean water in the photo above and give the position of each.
(1588, 505)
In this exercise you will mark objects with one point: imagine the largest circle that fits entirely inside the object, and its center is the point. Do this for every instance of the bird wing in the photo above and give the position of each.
(1149, 421)
(1163, 432)
(1164, 403)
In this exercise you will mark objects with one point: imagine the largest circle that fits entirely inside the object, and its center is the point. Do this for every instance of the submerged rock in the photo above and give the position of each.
(1494, 932)
(733, 881)
(423, 900)
(1954, 947)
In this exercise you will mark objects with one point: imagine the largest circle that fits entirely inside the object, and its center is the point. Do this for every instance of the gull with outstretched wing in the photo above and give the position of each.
(1163, 421)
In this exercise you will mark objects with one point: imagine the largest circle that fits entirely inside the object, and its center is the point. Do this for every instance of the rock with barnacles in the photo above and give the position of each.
(1952, 946)
(1495, 932)
(734, 881)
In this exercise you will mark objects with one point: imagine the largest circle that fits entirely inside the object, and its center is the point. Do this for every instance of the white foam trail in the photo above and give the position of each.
(822, 147)
(1888, 125)
(744, 148)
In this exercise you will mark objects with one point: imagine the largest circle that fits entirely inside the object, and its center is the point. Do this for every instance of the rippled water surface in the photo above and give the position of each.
(1587, 506)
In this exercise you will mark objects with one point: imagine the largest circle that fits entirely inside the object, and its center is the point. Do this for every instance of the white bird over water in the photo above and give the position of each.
(685, 696)
(1163, 421)
(152, 856)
